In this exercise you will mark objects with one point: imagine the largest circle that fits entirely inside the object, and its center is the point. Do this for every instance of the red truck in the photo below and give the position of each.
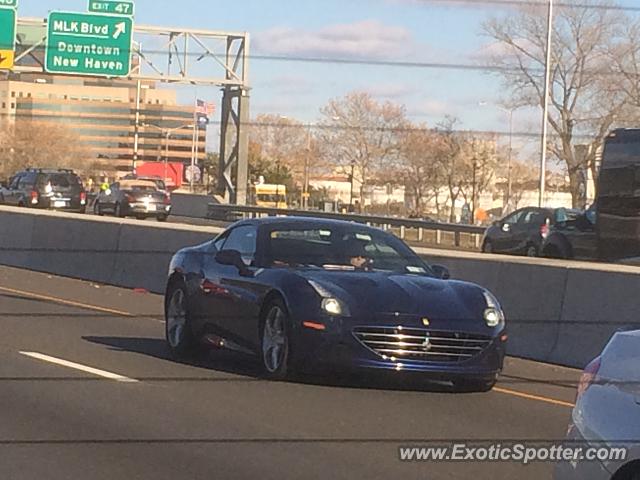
(172, 173)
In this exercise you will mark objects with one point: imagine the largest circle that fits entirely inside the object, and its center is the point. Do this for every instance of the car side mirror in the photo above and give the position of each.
(233, 258)
(441, 272)
(506, 228)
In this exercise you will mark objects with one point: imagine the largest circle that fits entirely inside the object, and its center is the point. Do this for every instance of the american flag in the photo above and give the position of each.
(205, 109)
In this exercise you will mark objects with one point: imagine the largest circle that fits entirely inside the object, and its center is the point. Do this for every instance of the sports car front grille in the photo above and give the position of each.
(421, 345)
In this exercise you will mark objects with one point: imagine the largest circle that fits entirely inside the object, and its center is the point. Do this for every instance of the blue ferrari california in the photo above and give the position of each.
(304, 293)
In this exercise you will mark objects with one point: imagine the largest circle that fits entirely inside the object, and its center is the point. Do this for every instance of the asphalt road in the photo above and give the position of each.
(213, 418)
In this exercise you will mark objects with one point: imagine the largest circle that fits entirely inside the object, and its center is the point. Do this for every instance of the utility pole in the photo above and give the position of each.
(545, 115)
(136, 136)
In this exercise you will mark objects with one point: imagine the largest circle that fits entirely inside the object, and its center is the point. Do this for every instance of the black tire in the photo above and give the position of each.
(163, 218)
(275, 357)
(97, 210)
(487, 247)
(141, 217)
(532, 251)
(553, 251)
(474, 385)
(178, 333)
(118, 211)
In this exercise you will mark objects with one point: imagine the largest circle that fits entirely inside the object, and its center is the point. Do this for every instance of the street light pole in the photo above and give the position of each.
(307, 163)
(510, 160)
(545, 115)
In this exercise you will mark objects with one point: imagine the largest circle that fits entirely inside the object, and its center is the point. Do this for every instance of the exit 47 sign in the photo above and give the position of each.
(112, 7)
(8, 20)
(89, 44)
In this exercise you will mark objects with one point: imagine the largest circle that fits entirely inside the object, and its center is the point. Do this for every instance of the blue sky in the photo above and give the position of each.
(396, 30)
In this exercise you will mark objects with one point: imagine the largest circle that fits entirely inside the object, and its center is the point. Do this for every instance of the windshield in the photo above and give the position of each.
(342, 250)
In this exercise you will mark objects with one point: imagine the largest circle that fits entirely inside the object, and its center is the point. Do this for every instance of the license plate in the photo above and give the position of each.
(151, 208)
(59, 204)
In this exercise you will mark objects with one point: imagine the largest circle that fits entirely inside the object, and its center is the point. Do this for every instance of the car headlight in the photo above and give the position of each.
(493, 314)
(330, 304)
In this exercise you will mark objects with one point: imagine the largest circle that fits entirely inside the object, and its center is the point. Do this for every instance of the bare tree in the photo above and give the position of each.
(525, 179)
(42, 144)
(455, 173)
(478, 161)
(359, 135)
(285, 143)
(418, 165)
(581, 98)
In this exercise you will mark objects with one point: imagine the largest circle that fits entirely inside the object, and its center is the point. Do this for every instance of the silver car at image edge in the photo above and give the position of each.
(607, 412)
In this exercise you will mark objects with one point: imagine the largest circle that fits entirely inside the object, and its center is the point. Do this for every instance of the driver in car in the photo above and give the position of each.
(358, 257)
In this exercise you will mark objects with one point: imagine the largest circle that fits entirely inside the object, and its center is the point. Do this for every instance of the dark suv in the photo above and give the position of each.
(522, 232)
(45, 188)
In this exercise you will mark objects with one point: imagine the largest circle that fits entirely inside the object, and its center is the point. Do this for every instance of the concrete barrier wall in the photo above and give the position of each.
(112, 251)
(558, 312)
(190, 205)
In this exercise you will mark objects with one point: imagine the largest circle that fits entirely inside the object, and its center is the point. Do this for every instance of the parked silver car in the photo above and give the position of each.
(607, 413)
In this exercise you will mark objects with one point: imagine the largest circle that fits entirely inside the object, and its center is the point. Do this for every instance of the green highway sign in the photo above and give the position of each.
(8, 19)
(89, 44)
(111, 7)
(9, 3)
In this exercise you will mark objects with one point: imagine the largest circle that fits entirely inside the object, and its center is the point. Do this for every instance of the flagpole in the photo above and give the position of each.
(195, 156)
(194, 137)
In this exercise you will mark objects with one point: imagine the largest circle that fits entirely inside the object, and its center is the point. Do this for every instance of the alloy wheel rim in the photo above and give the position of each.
(274, 340)
(176, 318)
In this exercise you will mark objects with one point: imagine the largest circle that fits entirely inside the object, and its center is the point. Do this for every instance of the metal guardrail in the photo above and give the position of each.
(237, 212)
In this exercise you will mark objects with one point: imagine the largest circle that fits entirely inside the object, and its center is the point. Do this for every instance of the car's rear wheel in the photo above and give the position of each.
(276, 341)
(532, 251)
(179, 336)
(162, 218)
(469, 385)
(487, 247)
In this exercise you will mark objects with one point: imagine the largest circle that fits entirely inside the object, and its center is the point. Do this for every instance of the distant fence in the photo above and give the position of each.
(420, 231)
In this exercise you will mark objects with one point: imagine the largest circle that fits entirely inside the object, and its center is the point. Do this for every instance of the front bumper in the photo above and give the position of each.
(338, 348)
(592, 470)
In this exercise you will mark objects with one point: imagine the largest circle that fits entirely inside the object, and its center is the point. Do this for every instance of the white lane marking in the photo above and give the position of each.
(77, 366)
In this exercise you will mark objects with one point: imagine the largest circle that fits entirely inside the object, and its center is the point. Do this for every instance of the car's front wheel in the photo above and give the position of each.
(97, 209)
(179, 336)
(487, 247)
(118, 211)
(162, 218)
(469, 385)
(276, 342)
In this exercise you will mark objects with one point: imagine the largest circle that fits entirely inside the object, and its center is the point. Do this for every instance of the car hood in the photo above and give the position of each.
(382, 294)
